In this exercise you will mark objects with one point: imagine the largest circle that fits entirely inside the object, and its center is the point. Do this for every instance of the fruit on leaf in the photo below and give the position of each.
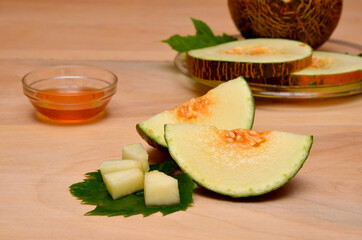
(109, 166)
(160, 189)
(136, 152)
(310, 21)
(228, 106)
(329, 68)
(92, 190)
(251, 58)
(122, 183)
(237, 163)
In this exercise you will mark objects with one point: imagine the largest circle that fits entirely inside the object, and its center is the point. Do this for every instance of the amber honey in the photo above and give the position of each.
(70, 105)
(69, 93)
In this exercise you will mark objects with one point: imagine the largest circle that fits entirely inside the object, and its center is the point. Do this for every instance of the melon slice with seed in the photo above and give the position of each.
(251, 58)
(228, 106)
(239, 162)
(329, 68)
(326, 69)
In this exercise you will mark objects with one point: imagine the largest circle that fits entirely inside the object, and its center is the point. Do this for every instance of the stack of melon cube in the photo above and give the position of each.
(131, 174)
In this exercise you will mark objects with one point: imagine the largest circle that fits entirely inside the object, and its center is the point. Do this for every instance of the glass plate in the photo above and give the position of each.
(293, 92)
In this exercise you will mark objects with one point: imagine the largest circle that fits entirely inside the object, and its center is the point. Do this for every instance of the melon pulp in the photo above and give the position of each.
(230, 105)
(136, 152)
(310, 21)
(124, 182)
(239, 162)
(109, 166)
(252, 58)
(160, 189)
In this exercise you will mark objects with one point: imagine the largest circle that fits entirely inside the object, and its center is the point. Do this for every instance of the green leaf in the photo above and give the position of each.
(204, 38)
(313, 84)
(93, 191)
(166, 167)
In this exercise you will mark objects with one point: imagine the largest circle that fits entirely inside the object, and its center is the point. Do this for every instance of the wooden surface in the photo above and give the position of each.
(39, 161)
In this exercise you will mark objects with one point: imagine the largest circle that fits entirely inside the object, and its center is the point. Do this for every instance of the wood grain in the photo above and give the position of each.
(121, 29)
(39, 160)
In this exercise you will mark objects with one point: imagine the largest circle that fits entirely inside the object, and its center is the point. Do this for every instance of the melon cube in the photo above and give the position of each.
(109, 166)
(122, 183)
(160, 189)
(136, 152)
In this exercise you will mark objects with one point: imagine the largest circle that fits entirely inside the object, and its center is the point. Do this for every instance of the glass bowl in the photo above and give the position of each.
(69, 93)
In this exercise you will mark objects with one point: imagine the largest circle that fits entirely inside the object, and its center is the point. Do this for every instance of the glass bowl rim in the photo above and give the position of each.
(112, 84)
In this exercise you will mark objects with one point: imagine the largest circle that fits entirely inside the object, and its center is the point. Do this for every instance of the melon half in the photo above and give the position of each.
(230, 105)
(311, 21)
(239, 162)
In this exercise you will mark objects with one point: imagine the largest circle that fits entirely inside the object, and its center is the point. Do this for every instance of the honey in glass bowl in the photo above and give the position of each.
(69, 94)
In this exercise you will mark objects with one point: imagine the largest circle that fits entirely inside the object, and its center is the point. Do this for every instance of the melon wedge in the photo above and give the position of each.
(228, 106)
(251, 58)
(239, 162)
(329, 68)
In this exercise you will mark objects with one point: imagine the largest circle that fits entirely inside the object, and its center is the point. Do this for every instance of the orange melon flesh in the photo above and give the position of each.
(238, 163)
(228, 106)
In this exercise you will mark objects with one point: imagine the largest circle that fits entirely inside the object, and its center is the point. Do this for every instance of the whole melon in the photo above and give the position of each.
(309, 21)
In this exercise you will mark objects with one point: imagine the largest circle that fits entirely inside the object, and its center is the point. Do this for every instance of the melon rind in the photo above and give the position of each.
(310, 21)
(231, 170)
(234, 108)
(342, 69)
(211, 64)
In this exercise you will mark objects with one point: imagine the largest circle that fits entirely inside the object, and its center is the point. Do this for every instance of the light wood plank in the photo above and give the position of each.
(122, 30)
(40, 161)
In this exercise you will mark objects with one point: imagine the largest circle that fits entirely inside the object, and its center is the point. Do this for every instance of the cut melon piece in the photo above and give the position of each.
(228, 106)
(329, 68)
(109, 166)
(252, 58)
(136, 152)
(237, 163)
(122, 183)
(160, 189)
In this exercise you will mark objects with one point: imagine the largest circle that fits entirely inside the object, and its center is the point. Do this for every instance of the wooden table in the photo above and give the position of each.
(39, 161)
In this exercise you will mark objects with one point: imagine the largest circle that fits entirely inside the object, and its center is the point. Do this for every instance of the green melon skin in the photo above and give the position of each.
(235, 170)
(231, 106)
